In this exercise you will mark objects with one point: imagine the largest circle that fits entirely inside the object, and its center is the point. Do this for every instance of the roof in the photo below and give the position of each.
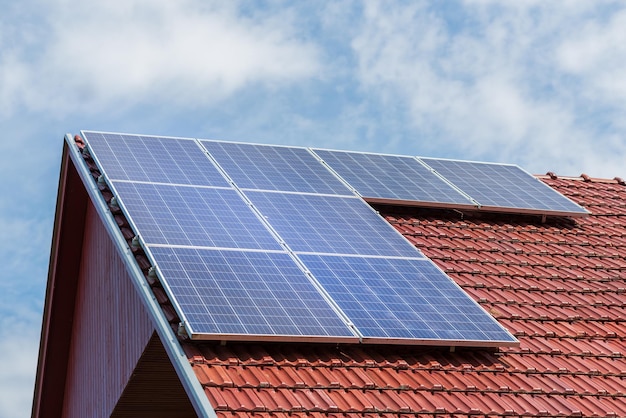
(558, 284)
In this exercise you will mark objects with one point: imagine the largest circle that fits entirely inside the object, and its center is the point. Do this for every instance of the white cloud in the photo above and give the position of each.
(493, 81)
(18, 349)
(596, 55)
(29, 169)
(96, 54)
(24, 245)
(23, 255)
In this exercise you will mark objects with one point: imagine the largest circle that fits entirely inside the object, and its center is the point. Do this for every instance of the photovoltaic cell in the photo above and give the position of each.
(195, 216)
(246, 293)
(503, 186)
(329, 224)
(153, 159)
(400, 298)
(391, 177)
(265, 167)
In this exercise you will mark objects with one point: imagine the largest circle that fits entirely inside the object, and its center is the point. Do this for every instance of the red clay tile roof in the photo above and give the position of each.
(559, 286)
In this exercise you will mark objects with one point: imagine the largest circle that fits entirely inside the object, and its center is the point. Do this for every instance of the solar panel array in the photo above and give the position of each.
(255, 241)
(447, 183)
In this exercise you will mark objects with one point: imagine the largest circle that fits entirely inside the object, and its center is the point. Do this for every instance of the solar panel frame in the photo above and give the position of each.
(275, 167)
(504, 187)
(155, 159)
(389, 178)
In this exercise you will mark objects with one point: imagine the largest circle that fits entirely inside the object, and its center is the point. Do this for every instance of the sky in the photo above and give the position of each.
(536, 83)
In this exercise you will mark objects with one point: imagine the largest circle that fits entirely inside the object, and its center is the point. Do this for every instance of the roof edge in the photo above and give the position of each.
(60, 296)
(583, 177)
(173, 348)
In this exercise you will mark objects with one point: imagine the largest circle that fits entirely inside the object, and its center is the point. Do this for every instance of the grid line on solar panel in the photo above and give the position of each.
(396, 177)
(395, 298)
(246, 293)
(502, 185)
(153, 159)
(265, 167)
(194, 216)
(329, 224)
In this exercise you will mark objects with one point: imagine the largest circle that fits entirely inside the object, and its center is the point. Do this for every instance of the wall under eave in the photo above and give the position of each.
(110, 331)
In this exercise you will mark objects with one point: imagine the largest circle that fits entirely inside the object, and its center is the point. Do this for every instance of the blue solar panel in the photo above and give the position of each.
(330, 224)
(264, 167)
(400, 298)
(246, 293)
(503, 186)
(222, 262)
(391, 177)
(153, 159)
(195, 216)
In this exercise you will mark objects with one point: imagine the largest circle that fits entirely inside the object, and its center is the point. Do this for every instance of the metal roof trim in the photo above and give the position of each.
(174, 350)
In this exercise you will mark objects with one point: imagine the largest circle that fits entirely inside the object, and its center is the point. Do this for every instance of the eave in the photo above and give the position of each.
(72, 200)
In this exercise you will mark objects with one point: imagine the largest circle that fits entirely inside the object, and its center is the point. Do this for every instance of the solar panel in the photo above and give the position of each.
(378, 176)
(401, 298)
(195, 216)
(330, 224)
(503, 186)
(230, 293)
(153, 159)
(265, 167)
(287, 251)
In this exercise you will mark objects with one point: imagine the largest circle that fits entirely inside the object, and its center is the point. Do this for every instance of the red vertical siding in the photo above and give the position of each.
(110, 331)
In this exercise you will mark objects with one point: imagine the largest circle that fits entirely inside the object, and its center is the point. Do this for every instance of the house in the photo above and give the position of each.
(111, 342)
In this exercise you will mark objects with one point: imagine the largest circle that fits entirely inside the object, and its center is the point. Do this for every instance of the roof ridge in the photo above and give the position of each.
(583, 177)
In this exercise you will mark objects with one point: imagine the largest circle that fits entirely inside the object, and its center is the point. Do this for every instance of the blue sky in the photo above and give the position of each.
(540, 84)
